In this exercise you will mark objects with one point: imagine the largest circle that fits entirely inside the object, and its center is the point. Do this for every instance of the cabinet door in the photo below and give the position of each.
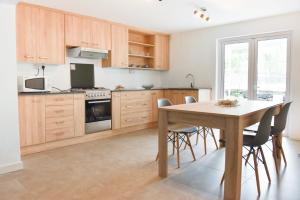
(51, 48)
(119, 50)
(116, 110)
(79, 114)
(101, 35)
(32, 119)
(73, 30)
(86, 29)
(27, 28)
(155, 96)
(162, 52)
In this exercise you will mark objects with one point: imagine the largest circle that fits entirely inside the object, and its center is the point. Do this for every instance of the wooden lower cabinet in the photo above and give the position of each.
(32, 119)
(177, 96)
(47, 118)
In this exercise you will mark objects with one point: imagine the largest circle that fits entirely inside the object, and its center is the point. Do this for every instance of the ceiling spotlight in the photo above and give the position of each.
(201, 12)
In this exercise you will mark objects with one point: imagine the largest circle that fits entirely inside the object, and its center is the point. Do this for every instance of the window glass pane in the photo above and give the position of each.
(271, 69)
(236, 70)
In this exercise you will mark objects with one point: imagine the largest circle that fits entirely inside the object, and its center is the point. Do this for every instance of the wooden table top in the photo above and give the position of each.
(211, 108)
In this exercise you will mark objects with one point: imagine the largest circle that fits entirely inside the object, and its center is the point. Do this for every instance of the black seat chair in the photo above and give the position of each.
(178, 136)
(255, 142)
(202, 131)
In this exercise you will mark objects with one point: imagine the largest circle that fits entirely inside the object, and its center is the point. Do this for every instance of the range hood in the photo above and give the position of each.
(90, 53)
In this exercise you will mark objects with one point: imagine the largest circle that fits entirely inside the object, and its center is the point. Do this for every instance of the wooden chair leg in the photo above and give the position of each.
(248, 156)
(275, 154)
(283, 155)
(213, 135)
(190, 145)
(256, 172)
(223, 178)
(204, 139)
(265, 163)
(173, 142)
(198, 133)
(177, 148)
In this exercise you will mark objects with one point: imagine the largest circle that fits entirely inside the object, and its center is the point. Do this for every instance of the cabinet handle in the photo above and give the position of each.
(59, 111)
(43, 57)
(59, 133)
(61, 122)
(84, 42)
(58, 99)
(26, 56)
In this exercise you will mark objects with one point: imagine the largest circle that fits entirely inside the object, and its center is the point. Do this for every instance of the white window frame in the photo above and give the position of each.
(252, 40)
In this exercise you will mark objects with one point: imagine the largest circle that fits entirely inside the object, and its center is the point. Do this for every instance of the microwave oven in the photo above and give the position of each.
(32, 84)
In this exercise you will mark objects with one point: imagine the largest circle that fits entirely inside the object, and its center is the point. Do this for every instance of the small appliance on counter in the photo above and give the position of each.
(32, 84)
(97, 100)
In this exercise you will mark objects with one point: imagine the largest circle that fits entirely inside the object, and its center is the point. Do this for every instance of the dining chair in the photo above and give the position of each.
(202, 131)
(178, 135)
(255, 142)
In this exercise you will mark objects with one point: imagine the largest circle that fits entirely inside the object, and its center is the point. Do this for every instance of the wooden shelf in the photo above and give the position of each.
(140, 56)
(141, 44)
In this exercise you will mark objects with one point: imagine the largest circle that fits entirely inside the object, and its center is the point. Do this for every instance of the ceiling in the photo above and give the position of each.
(174, 15)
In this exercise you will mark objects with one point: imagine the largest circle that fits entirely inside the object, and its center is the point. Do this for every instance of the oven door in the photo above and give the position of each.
(98, 115)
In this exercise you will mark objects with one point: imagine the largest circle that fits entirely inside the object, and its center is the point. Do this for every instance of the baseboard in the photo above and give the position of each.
(11, 167)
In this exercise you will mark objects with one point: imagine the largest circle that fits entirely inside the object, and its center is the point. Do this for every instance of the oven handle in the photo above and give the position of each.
(94, 102)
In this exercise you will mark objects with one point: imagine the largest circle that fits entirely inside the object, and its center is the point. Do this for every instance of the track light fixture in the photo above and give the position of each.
(201, 12)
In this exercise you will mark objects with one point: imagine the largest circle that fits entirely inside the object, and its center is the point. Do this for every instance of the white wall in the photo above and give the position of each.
(195, 52)
(59, 75)
(9, 129)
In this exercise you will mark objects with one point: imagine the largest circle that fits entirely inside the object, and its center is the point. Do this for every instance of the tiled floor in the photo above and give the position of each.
(123, 167)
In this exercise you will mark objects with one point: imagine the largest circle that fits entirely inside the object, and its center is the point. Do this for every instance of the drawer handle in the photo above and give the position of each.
(144, 117)
(61, 122)
(43, 57)
(26, 56)
(59, 111)
(59, 133)
(58, 99)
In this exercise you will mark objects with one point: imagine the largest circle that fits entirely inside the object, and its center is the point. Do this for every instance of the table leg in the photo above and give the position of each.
(222, 139)
(162, 143)
(233, 159)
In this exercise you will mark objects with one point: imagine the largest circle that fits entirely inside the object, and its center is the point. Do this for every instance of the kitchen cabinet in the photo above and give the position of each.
(116, 110)
(119, 50)
(87, 32)
(161, 52)
(32, 119)
(48, 118)
(157, 94)
(177, 96)
(40, 35)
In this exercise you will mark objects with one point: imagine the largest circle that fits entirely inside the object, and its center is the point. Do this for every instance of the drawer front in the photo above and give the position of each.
(138, 95)
(136, 106)
(59, 111)
(58, 134)
(59, 100)
(132, 119)
(59, 122)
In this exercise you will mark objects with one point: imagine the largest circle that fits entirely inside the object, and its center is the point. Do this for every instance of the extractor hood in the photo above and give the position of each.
(90, 53)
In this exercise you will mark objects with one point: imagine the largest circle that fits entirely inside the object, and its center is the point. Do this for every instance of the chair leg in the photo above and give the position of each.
(275, 155)
(265, 163)
(156, 159)
(223, 178)
(177, 148)
(173, 142)
(198, 133)
(190, 145)
(256, 172)
(283, 155)
(248, 156)
(204, 139)
(213, 135)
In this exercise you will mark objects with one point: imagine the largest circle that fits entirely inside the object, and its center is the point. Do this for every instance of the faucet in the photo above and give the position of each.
(193, 79)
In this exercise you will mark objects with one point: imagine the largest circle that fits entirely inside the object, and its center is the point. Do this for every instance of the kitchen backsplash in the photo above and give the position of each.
(59, 75)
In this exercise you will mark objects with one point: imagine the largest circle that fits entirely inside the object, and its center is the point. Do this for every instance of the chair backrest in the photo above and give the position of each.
(281, 119)
(163, 102)
(189, 99)
(264, 128)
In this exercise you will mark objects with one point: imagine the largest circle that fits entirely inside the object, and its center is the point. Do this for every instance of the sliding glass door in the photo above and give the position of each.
(255, 68)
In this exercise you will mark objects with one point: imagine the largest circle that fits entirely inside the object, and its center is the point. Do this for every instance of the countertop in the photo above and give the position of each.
(141, 89)
(50, 93)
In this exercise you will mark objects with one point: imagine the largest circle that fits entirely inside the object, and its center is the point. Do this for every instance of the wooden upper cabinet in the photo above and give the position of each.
(51, 48)
(161, 52)
(40, 35)
(32, 119)
(73, 30)
(27, 28)
(119, 50)
(87, 32)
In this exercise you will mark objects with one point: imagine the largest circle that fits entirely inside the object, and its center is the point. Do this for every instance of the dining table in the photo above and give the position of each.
(230, 120)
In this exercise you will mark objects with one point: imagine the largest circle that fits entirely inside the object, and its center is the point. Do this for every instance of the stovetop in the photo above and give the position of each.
(95, 93)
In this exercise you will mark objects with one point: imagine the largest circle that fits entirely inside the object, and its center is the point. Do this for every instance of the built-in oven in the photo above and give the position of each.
(98, 115)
